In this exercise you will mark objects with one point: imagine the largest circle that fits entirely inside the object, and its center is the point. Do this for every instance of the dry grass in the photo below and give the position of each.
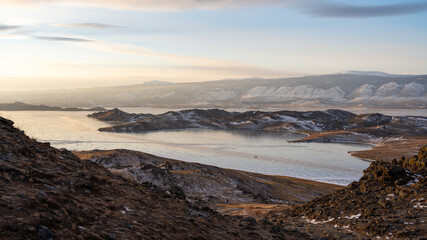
(389, 150)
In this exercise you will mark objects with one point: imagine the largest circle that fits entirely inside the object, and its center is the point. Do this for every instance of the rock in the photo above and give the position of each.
(41, 193)
(44, 233)
(111, 236)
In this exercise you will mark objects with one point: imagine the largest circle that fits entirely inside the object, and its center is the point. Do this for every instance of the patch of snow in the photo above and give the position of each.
(413, 181)
(388, 90)
(412, 89)
(353, 216)
(313, 221)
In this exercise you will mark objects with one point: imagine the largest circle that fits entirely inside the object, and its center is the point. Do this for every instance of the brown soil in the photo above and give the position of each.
(392, 149)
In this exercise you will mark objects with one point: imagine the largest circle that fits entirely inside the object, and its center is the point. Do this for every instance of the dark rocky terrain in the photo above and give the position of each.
(333, 90)
(20, 106)
(208, 183)
(117, 115)
(377, 125)
(46, 193)
(389, 202)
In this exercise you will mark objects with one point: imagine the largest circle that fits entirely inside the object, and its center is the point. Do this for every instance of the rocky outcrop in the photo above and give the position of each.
(208, 183)
(389, 201)
(117, 115)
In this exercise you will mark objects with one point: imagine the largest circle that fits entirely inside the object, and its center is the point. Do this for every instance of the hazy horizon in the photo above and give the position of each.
(62, 45)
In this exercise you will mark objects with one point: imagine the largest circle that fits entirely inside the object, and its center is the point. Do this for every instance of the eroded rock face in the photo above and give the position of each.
(390, 200)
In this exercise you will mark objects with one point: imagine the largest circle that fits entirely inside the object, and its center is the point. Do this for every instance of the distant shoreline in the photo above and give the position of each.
(20, 106)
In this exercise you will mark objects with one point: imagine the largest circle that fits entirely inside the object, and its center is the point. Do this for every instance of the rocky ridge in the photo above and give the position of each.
(388, 202)
(332, 125)
(308, 122)
(207, 183)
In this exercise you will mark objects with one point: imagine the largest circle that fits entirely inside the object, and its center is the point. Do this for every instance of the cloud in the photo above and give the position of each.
(62, 39)
(8, 27)
(316, 8)
(175, 61)
(86, 25)
(340, 10)
(157, 5)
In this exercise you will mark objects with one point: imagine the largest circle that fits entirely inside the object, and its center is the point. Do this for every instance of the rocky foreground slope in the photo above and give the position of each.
(47, 193)
(389, 202)
(331, 125)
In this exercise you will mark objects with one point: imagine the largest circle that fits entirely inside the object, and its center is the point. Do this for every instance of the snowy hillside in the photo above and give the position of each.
(357, 89)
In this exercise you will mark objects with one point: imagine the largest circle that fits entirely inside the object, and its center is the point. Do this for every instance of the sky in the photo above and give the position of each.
(48, 44)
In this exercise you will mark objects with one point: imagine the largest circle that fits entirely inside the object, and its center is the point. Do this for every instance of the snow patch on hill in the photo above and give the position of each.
(302, 91)
(412, 89)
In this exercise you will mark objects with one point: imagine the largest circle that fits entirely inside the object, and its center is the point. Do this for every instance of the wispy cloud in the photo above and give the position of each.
(340, 10)
(8, 27)
(174, 61)
(86, 25)
(316, 8)
(62, 39)
(157, 5)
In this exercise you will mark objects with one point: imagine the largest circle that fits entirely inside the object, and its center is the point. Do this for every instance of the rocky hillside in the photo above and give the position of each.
(393, 136)
(117, 115)
(371, 127)
(334, 90)
(208, 183)
(46, 193)
(389, 202)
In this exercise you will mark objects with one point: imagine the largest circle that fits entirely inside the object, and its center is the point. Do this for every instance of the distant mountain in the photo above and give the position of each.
(156, 82)
(374, 73)
(20, 106)
(334, 90)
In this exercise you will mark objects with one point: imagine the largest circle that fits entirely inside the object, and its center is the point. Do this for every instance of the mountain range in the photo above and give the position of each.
(355, 88)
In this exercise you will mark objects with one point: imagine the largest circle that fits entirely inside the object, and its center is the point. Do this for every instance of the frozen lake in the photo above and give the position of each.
(262, 152)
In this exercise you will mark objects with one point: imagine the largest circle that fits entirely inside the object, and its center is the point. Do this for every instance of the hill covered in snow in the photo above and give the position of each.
(343, 89)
